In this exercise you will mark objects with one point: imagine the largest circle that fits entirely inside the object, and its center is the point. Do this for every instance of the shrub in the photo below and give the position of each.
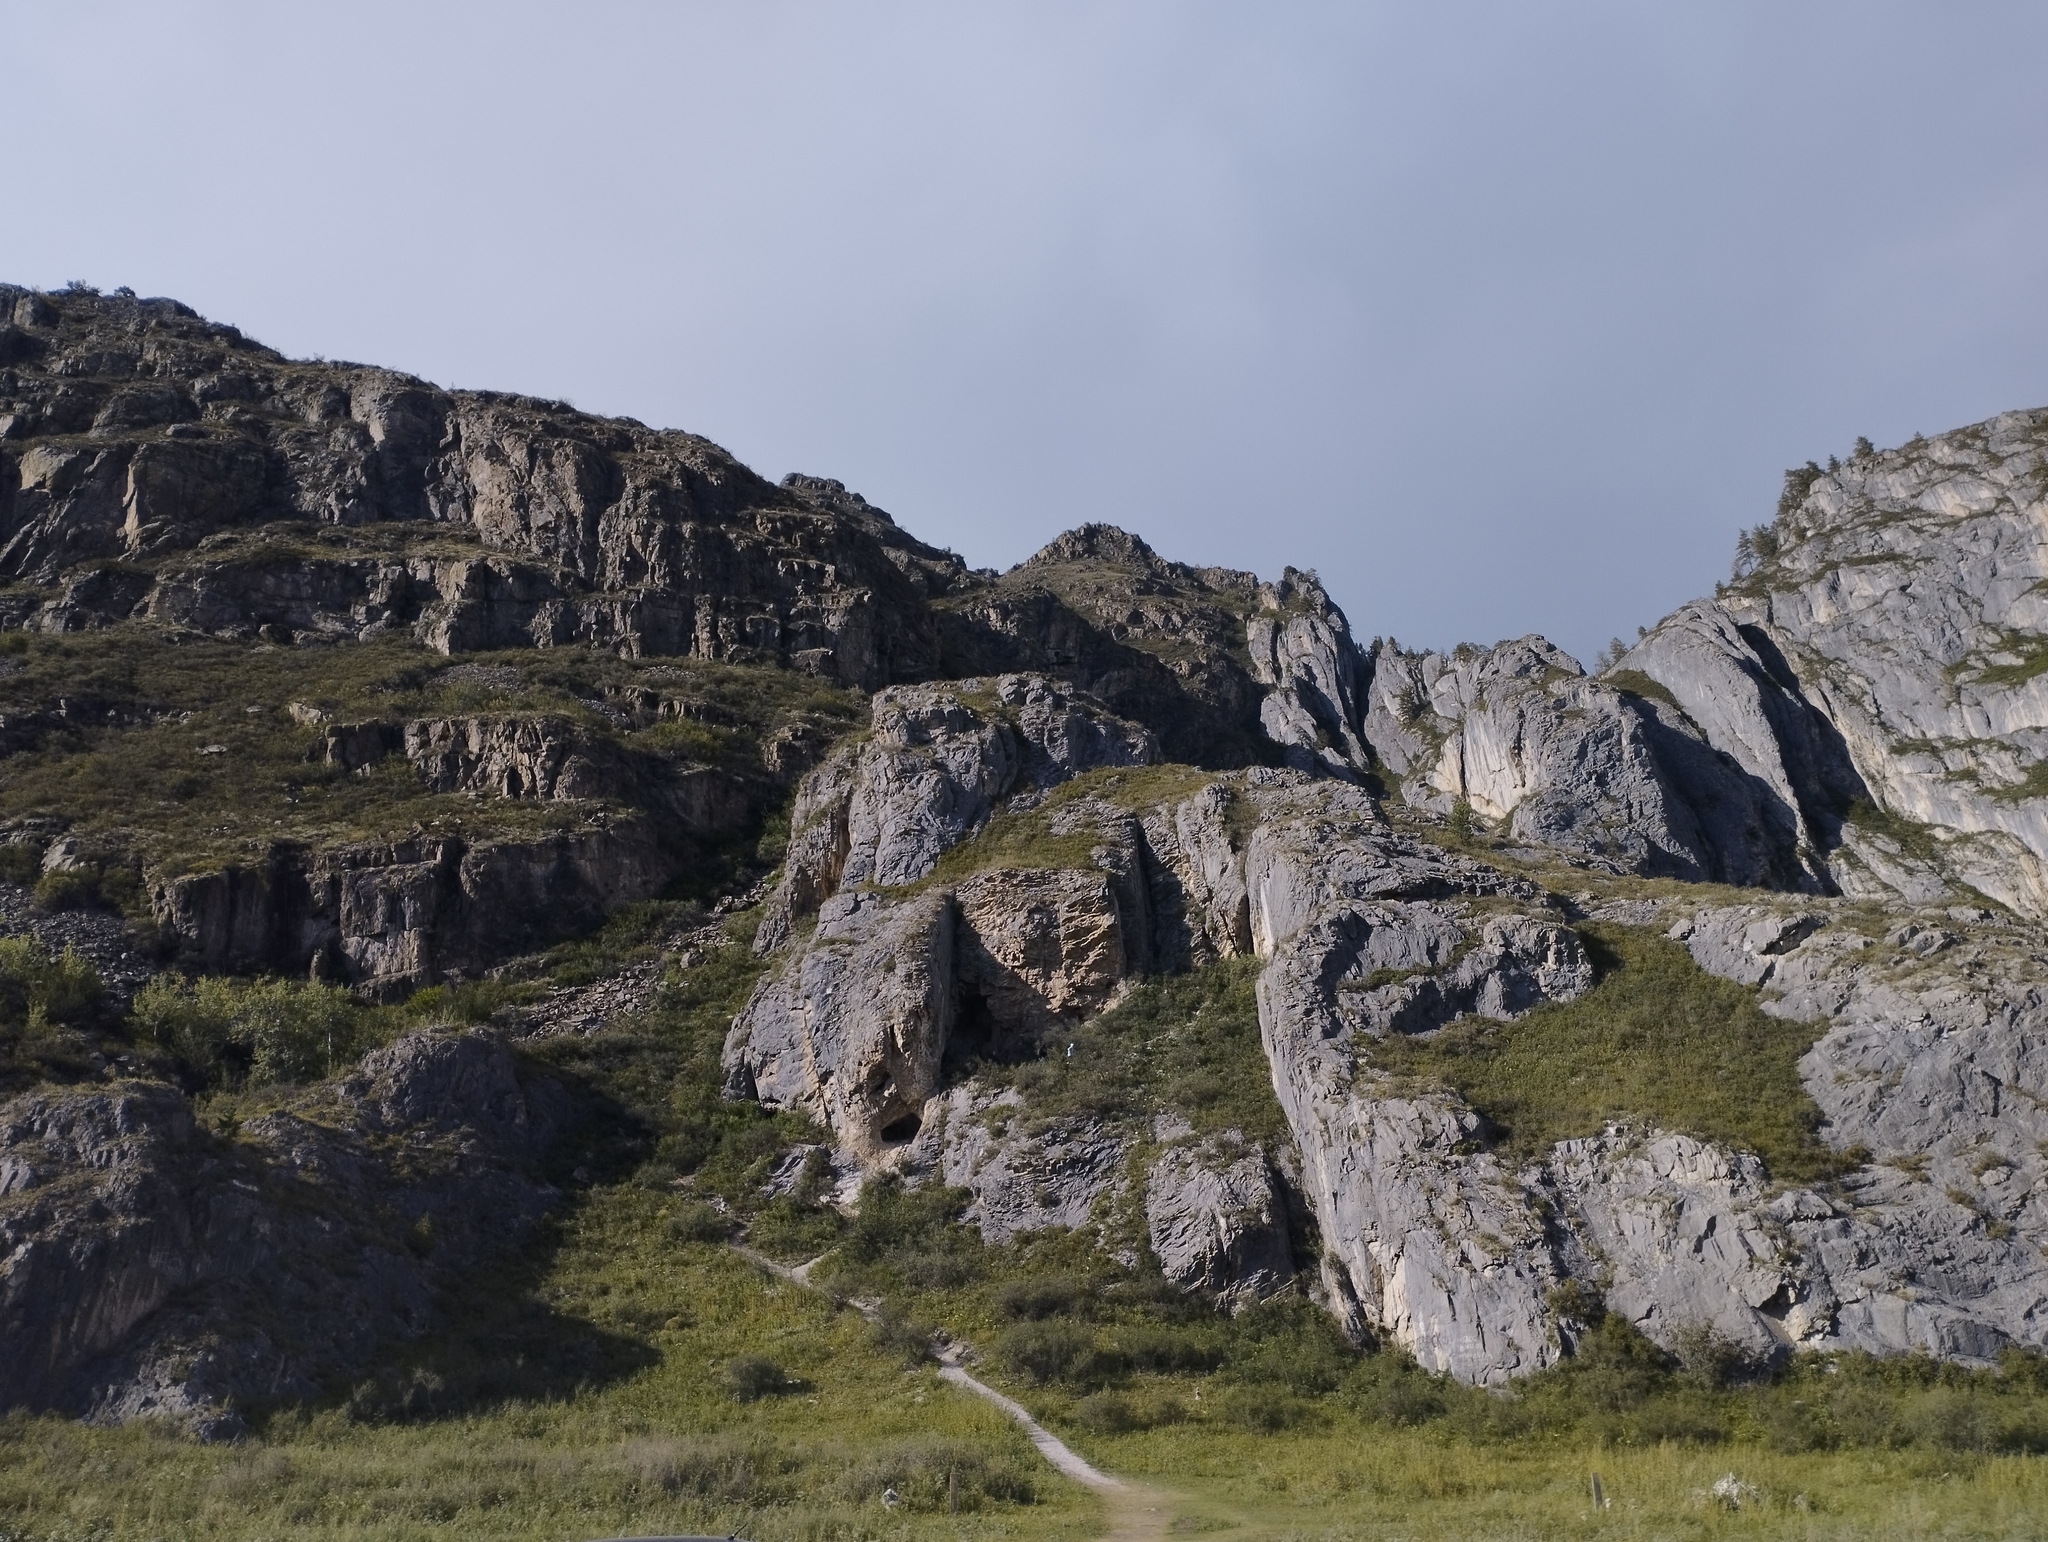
(897, 1335)
(910, 1237)
(1292, 1344)
(1057, 1351)
(255, 1032)
(1266, 1410)
(753, 1377)
(1390, 1388)
(1106, 1413)
(68, 888)
(935, 1475)
(37, 988)
(1166, 1350)
(1035, 1299)
(699, 1222)
(723, 1469)
(20, 864)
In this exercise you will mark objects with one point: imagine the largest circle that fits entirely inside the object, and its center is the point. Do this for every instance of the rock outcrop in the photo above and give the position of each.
(938, 761)
(853, 1031)
(1216, 1219)
(1886, 655)
(391, 916)
(1024, 1175)
(1855, 728)
(152, 1267)
(1428, 1241)
(135, 431)
(1620, 778)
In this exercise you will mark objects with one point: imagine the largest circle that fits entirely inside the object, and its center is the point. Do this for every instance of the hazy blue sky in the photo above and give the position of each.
(1504, 317)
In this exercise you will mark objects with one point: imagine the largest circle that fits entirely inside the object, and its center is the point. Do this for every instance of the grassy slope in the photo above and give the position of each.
(139, 785)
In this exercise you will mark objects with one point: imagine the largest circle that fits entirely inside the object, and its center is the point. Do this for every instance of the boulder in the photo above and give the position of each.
(151, 1268)
(1216, 1220)
(1023, 1177)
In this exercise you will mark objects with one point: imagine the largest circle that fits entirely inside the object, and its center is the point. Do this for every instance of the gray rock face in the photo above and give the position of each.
(939, 759)
(1434, 1245)
(853, 1030)
(1216, 1220)
(1314, 675)
(1889, 647)
(1167, 645)
(1687, 1242)
(1725, 682)
(1022, 1179)
(552, 760)
(1929, 1063)
(1619, 779)
(148, 1267)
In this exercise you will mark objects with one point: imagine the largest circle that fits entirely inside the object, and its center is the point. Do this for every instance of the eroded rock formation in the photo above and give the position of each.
(1096, 769)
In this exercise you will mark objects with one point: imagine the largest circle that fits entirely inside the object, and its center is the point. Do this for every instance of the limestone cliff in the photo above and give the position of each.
(314, 668)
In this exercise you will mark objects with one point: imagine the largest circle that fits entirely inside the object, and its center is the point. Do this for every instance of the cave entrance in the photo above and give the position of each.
(901, 1132)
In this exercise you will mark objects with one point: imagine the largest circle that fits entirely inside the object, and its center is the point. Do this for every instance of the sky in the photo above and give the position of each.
(1502, 317)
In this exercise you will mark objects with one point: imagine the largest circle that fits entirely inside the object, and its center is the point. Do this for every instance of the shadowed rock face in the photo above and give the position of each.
(155, 1269)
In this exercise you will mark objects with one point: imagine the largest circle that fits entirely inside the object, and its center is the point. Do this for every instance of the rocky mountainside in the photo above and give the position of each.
(1470, 995)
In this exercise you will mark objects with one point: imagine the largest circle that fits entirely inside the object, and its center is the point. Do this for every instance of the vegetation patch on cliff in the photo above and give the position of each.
(1032, 837)
(180, 752)
(1185, 1043)
(1658, 1041)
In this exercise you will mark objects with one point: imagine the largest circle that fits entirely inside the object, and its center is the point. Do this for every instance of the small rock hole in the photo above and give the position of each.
(900, 1132)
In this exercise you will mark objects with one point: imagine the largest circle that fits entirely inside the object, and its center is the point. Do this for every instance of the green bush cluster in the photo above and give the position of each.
(753, 1377)
(252, 1032)
(38, 989)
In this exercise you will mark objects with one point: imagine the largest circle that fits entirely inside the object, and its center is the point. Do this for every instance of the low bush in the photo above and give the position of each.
(908, 1239)
(38, 988)
(1107, 1413)
(1038, 1298)
(1055, 1351)
(1266, 1410)
(753, 1377)
(239, 1033)
(937, 1475)
(699, 1222)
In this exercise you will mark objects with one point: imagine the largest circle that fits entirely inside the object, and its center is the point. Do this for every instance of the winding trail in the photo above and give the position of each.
(1136, 1513)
